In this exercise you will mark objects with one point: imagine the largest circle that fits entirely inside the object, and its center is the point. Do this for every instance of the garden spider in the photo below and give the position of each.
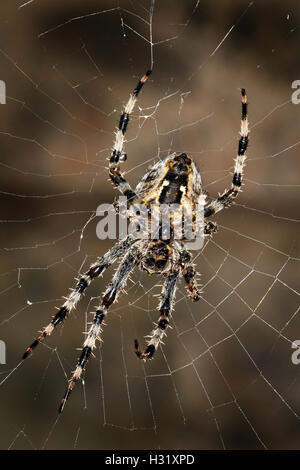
(174, 179)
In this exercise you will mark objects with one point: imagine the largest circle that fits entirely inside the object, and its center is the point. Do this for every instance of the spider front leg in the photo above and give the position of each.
(165, 307)
(228, 197)
(118, 154)
(118, 282)
(94, 271)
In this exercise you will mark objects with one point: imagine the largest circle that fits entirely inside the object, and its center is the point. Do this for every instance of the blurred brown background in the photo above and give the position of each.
(224, 378)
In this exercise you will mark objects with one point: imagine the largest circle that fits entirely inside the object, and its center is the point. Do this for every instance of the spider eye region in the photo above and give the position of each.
(180, 164)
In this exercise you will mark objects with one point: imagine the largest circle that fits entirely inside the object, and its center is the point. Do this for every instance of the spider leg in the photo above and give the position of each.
(228, 197)
(210, 228)
(111, 294)
(165, 307)
(118, 154)
(94, 271)
(189, 275)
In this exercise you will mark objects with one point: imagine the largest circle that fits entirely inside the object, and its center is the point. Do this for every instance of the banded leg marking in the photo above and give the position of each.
(118, 155)
(118, 282)
(165, 308)
(228, 197)
(189, 275)
(71, 301)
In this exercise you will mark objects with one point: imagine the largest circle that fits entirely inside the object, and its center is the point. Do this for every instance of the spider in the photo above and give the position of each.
(174, 179)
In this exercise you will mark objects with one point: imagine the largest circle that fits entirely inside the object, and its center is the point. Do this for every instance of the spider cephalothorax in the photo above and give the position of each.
(173, 181)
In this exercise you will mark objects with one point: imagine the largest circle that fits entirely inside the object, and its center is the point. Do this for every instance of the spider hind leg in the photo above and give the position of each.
(73, 298)
(165, 307)
(110, 296)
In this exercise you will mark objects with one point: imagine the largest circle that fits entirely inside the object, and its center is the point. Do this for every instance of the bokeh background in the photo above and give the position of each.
(224, 378)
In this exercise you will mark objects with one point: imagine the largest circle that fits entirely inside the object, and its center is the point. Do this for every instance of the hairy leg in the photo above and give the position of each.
(111, 294)
(72, 299)
(228, 197)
